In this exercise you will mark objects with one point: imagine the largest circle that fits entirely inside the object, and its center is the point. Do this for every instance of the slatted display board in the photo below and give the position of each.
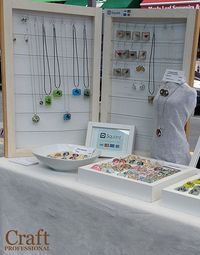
(47, 48)
(139, 45)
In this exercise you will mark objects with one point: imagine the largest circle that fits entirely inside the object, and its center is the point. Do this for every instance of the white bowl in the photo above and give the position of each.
(62, 164)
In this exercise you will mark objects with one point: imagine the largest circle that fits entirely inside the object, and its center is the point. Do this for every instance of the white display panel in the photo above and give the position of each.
(52, 48)
(144, 43)
(142, 190)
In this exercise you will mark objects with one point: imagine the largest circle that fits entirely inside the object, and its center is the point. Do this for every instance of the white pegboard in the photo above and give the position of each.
(27, 72)
(122, 100)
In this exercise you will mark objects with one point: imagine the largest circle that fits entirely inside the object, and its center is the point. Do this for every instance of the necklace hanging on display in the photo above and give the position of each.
(75, 91)
(87, 92)
(41, 102)
(29, 42)
(158, 132)
(67, 116)
(35, 118)
(48, 100)
(164, 92)
(48, 97)
(57, 93)
(86, 75)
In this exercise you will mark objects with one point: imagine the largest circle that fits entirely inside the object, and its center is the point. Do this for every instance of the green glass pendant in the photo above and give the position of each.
(36, 118)
(48, 100)
(86, 92)
(57, 93)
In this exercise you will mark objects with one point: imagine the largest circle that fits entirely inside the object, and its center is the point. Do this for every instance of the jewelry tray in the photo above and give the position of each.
(148, 192)
(181, 201)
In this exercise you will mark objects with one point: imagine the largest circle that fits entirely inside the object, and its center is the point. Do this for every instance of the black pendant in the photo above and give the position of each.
(86, 92)
(158, 132)
(164, 92)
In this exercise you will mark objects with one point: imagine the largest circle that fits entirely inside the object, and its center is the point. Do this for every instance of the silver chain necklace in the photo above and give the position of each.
(56, 92)
(67, 114)
(28, 40)
(76, 91)
(38, 54)
(85, 64)
(48, 98)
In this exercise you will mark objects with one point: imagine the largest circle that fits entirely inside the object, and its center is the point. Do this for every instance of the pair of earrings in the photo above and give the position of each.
(124, 72)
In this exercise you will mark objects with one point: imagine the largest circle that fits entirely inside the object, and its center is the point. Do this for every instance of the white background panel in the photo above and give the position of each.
(22, 66)
(24, 104)
(28, 140)
(24, 84)
(49, 122)
(143, 126)
(131, 107)
(143, 143)
(29, 73)
(66, 41)
(49, 19)
(125, 89)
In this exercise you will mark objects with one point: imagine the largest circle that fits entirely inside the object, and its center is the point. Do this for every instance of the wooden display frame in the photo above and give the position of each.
(7, 7)
(191, 18)
(195, 160)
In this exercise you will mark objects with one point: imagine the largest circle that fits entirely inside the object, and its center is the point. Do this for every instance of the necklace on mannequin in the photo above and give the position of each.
(76, 91)
(47, 98)
(86, 75)
(56, 92)
(161, 107)
(67, 114)
(28, 40)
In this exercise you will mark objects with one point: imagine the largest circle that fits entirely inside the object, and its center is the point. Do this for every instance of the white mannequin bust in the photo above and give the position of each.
(172, 110)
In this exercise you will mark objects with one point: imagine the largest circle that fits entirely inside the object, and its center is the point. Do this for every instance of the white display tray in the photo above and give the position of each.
(181, 201)
(148, 192)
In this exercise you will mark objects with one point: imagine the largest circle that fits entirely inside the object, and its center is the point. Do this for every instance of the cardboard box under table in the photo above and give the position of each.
(133, 188)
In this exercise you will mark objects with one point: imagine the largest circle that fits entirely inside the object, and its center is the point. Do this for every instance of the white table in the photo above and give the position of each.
(83, 220)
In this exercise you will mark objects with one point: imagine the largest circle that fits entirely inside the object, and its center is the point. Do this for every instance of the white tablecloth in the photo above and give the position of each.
(82, 220)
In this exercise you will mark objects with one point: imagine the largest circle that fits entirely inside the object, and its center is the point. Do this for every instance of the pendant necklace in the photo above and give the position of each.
(47, 98)
(159, 130)
(39, 64)
(56, 92)
(76, 91)
(85, 64)
(67, 114)
(151, 89)
(28, 40)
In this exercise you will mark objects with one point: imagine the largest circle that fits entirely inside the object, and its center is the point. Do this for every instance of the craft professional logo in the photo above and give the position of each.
(20, 241)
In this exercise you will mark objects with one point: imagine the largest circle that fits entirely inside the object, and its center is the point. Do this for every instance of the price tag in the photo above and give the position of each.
(82, 150)
(174, 76)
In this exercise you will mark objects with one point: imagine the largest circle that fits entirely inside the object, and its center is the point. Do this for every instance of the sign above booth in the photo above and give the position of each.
(169, 4)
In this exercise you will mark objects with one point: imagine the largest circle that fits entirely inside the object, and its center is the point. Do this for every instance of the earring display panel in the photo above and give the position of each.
(157, 43)
(53, 57)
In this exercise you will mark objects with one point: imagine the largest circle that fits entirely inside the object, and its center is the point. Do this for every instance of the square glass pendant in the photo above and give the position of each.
(67, 116)
(57, 93)
(86, 92)
(76, 92)
(48, 100)
(36, 118)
